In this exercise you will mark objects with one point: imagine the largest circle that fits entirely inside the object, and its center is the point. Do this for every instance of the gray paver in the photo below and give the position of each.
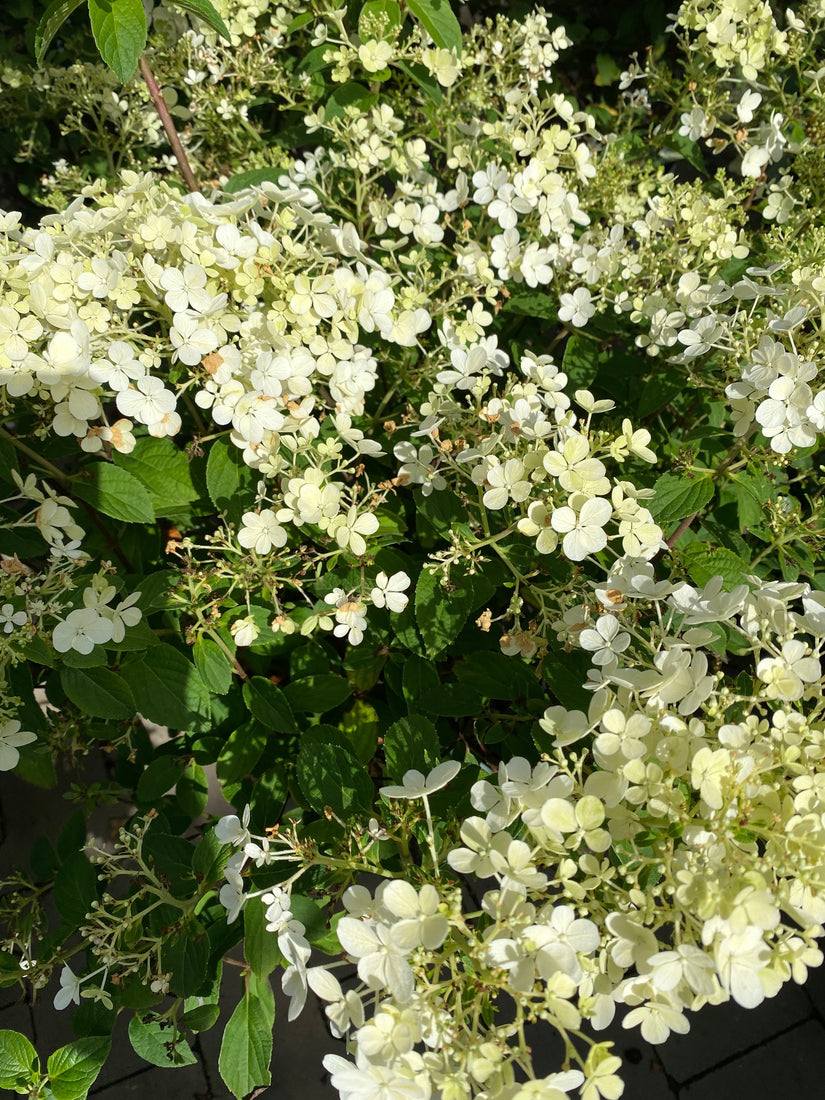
(16, 1017)
(642, 1071)
(718, 1032)
(814, 990)
(792, 1065)
(184, 1083)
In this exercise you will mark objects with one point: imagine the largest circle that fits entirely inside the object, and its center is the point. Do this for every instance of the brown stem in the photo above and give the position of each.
(680, 530)
(168, 124)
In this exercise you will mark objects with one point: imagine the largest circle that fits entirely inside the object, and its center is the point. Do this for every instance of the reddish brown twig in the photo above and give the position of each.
(168, 124)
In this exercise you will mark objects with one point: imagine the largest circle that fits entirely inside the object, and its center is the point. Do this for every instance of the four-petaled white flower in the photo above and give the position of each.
(577, 308)
(82, 630)
(419, 923)
(9, 618)
(261, 531)
(583, 529)
(389, 591)
(350, 530)
(148, 401)
(605, 640)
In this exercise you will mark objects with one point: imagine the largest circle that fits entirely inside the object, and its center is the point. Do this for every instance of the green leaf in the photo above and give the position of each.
(213, 665)
(678, 497)
(168, 689)
(268, 797)
(753, 491)
(436, 16)
(532, 303)
(361, 727)
(52, 20)
(137, 638)
(252, 178)
(73, 1069)
(18, 1060)
(98, 692)
(375, 12)
(565, 673)
(452, 701)
(115, 493)
(419, 678)
(204, 10)
(495, 676)
(363, 668)
(581, 360)
(443, 512)
(119, 27)
(351, 94)
(440, 614)
(658, 392)
(703, 561)
(96, 659)
(241, 752)
(173, 858)
(311, 916)
(687, 150)
(161, 775)
(9, 969)
(159, 1045)
(423, 78)
(75, 888)
(229, 481)
(607, 71)
(187, 957)
(201, 1017)
(317, 694)
(164, 471)
(192, 791)
(299, 21)
(269, 705)
(154, 588)
(330, 775)
(72, 836)
(260, 947)
(246, 1049)
(314, 61)
(44, 863)
(210, 858)
(411, 742)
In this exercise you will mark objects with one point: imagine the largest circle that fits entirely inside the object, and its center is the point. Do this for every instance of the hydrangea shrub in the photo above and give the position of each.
(444, 475)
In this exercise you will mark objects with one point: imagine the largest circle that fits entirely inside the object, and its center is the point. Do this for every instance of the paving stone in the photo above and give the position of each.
(184, 1083)
(814, 989)
(642, 1070)
(791, 1065)
(10, 995)
(122, 1061)
(16, 1017)
(720, 1032)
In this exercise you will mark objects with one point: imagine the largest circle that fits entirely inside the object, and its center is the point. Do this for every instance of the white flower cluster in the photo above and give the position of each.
(539, 456)
(270, 350)
(736, 33)
(96, 623)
